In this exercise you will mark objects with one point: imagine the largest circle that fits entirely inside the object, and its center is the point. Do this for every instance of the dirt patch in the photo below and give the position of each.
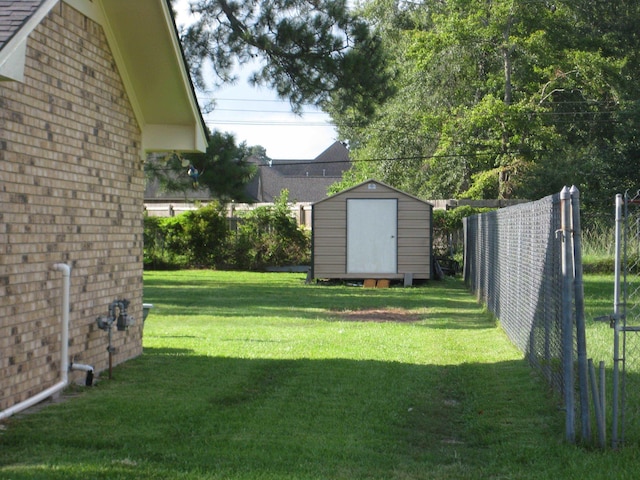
(378, 315)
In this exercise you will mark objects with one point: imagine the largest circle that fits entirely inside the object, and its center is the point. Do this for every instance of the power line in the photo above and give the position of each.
(248, 110)
(270, 123)
(251, 100)
(329, 123)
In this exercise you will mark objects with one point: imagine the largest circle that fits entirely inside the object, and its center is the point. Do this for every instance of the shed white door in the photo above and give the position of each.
(372, 226)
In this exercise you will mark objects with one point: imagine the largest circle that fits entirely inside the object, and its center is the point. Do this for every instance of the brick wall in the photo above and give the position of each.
(71, 191)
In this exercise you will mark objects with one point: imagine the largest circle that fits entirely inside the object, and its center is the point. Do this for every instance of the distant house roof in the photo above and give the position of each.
(147, 53)
(306, 180)
(270, 182)
(330, 163)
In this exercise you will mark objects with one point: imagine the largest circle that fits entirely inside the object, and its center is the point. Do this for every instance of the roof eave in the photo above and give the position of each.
(372, 180)
(157, 78)
(150, 61)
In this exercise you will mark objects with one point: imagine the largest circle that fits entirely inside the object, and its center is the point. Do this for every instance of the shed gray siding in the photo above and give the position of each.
(329, 251)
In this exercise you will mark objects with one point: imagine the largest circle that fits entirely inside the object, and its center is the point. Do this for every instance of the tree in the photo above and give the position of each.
(223, 169)
(308, 50)
(456, 112)
(501, 98)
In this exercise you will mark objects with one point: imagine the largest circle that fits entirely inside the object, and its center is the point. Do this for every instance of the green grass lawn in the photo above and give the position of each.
(259, 376)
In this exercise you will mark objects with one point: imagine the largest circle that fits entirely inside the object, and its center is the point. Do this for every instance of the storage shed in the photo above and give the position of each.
(371, 231)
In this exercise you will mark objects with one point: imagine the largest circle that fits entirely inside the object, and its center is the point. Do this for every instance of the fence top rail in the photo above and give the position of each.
(553, 199)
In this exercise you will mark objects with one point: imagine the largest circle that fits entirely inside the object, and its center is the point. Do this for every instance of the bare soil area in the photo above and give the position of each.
(379, 315)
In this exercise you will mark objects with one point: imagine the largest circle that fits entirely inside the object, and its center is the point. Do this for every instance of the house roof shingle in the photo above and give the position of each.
(306, 180)
(13, 15)
(330, 163)
(301, 188)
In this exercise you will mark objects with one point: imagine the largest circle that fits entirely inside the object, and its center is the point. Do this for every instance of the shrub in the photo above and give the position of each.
(270, 236)
(153, 240)
(174, 241)
(163, 243)
(205, 235)
(447, 229)
(266, 236)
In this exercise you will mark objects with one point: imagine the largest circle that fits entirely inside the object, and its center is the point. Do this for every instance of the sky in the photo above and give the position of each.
(256, 116)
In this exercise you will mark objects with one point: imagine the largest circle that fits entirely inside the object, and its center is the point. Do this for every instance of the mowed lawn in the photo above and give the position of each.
(260, 376)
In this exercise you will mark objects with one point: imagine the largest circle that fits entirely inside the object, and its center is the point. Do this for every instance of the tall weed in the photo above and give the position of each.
(598, 248)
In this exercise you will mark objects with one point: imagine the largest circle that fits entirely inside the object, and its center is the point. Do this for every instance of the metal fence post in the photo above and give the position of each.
(616, 324)
(603, 402)
(598, 406)
(567, 317)
(581, 340)
(465, 254)
(536, 312)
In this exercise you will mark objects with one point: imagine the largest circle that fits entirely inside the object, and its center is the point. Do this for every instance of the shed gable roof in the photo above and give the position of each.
(144, 42)
(376, 182)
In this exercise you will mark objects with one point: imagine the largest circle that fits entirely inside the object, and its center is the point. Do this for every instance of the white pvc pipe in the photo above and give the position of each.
(66, 293)
(64, 350)
(81, 367)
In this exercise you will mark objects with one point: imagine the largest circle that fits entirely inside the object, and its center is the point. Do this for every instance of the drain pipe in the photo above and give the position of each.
(64, 349)
(84, 368)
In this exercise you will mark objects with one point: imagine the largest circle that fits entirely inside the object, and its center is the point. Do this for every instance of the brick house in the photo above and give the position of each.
(87, 89)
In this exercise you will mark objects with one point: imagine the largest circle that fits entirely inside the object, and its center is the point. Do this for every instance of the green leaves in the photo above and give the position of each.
(308, 50)
(270, 236)
(518, 91)
(437, 98)
(223, 169)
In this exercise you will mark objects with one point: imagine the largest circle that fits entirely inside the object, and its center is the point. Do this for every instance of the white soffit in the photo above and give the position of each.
(146, 49)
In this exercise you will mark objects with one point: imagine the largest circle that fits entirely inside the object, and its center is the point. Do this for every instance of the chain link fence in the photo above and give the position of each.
(512, 263)
(515, 264)
(626, 412)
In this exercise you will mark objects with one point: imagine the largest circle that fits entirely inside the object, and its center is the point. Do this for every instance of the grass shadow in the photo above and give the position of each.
(292, 299)
(218, 417)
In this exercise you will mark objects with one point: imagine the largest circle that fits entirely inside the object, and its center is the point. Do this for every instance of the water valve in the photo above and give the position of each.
(104, 323)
